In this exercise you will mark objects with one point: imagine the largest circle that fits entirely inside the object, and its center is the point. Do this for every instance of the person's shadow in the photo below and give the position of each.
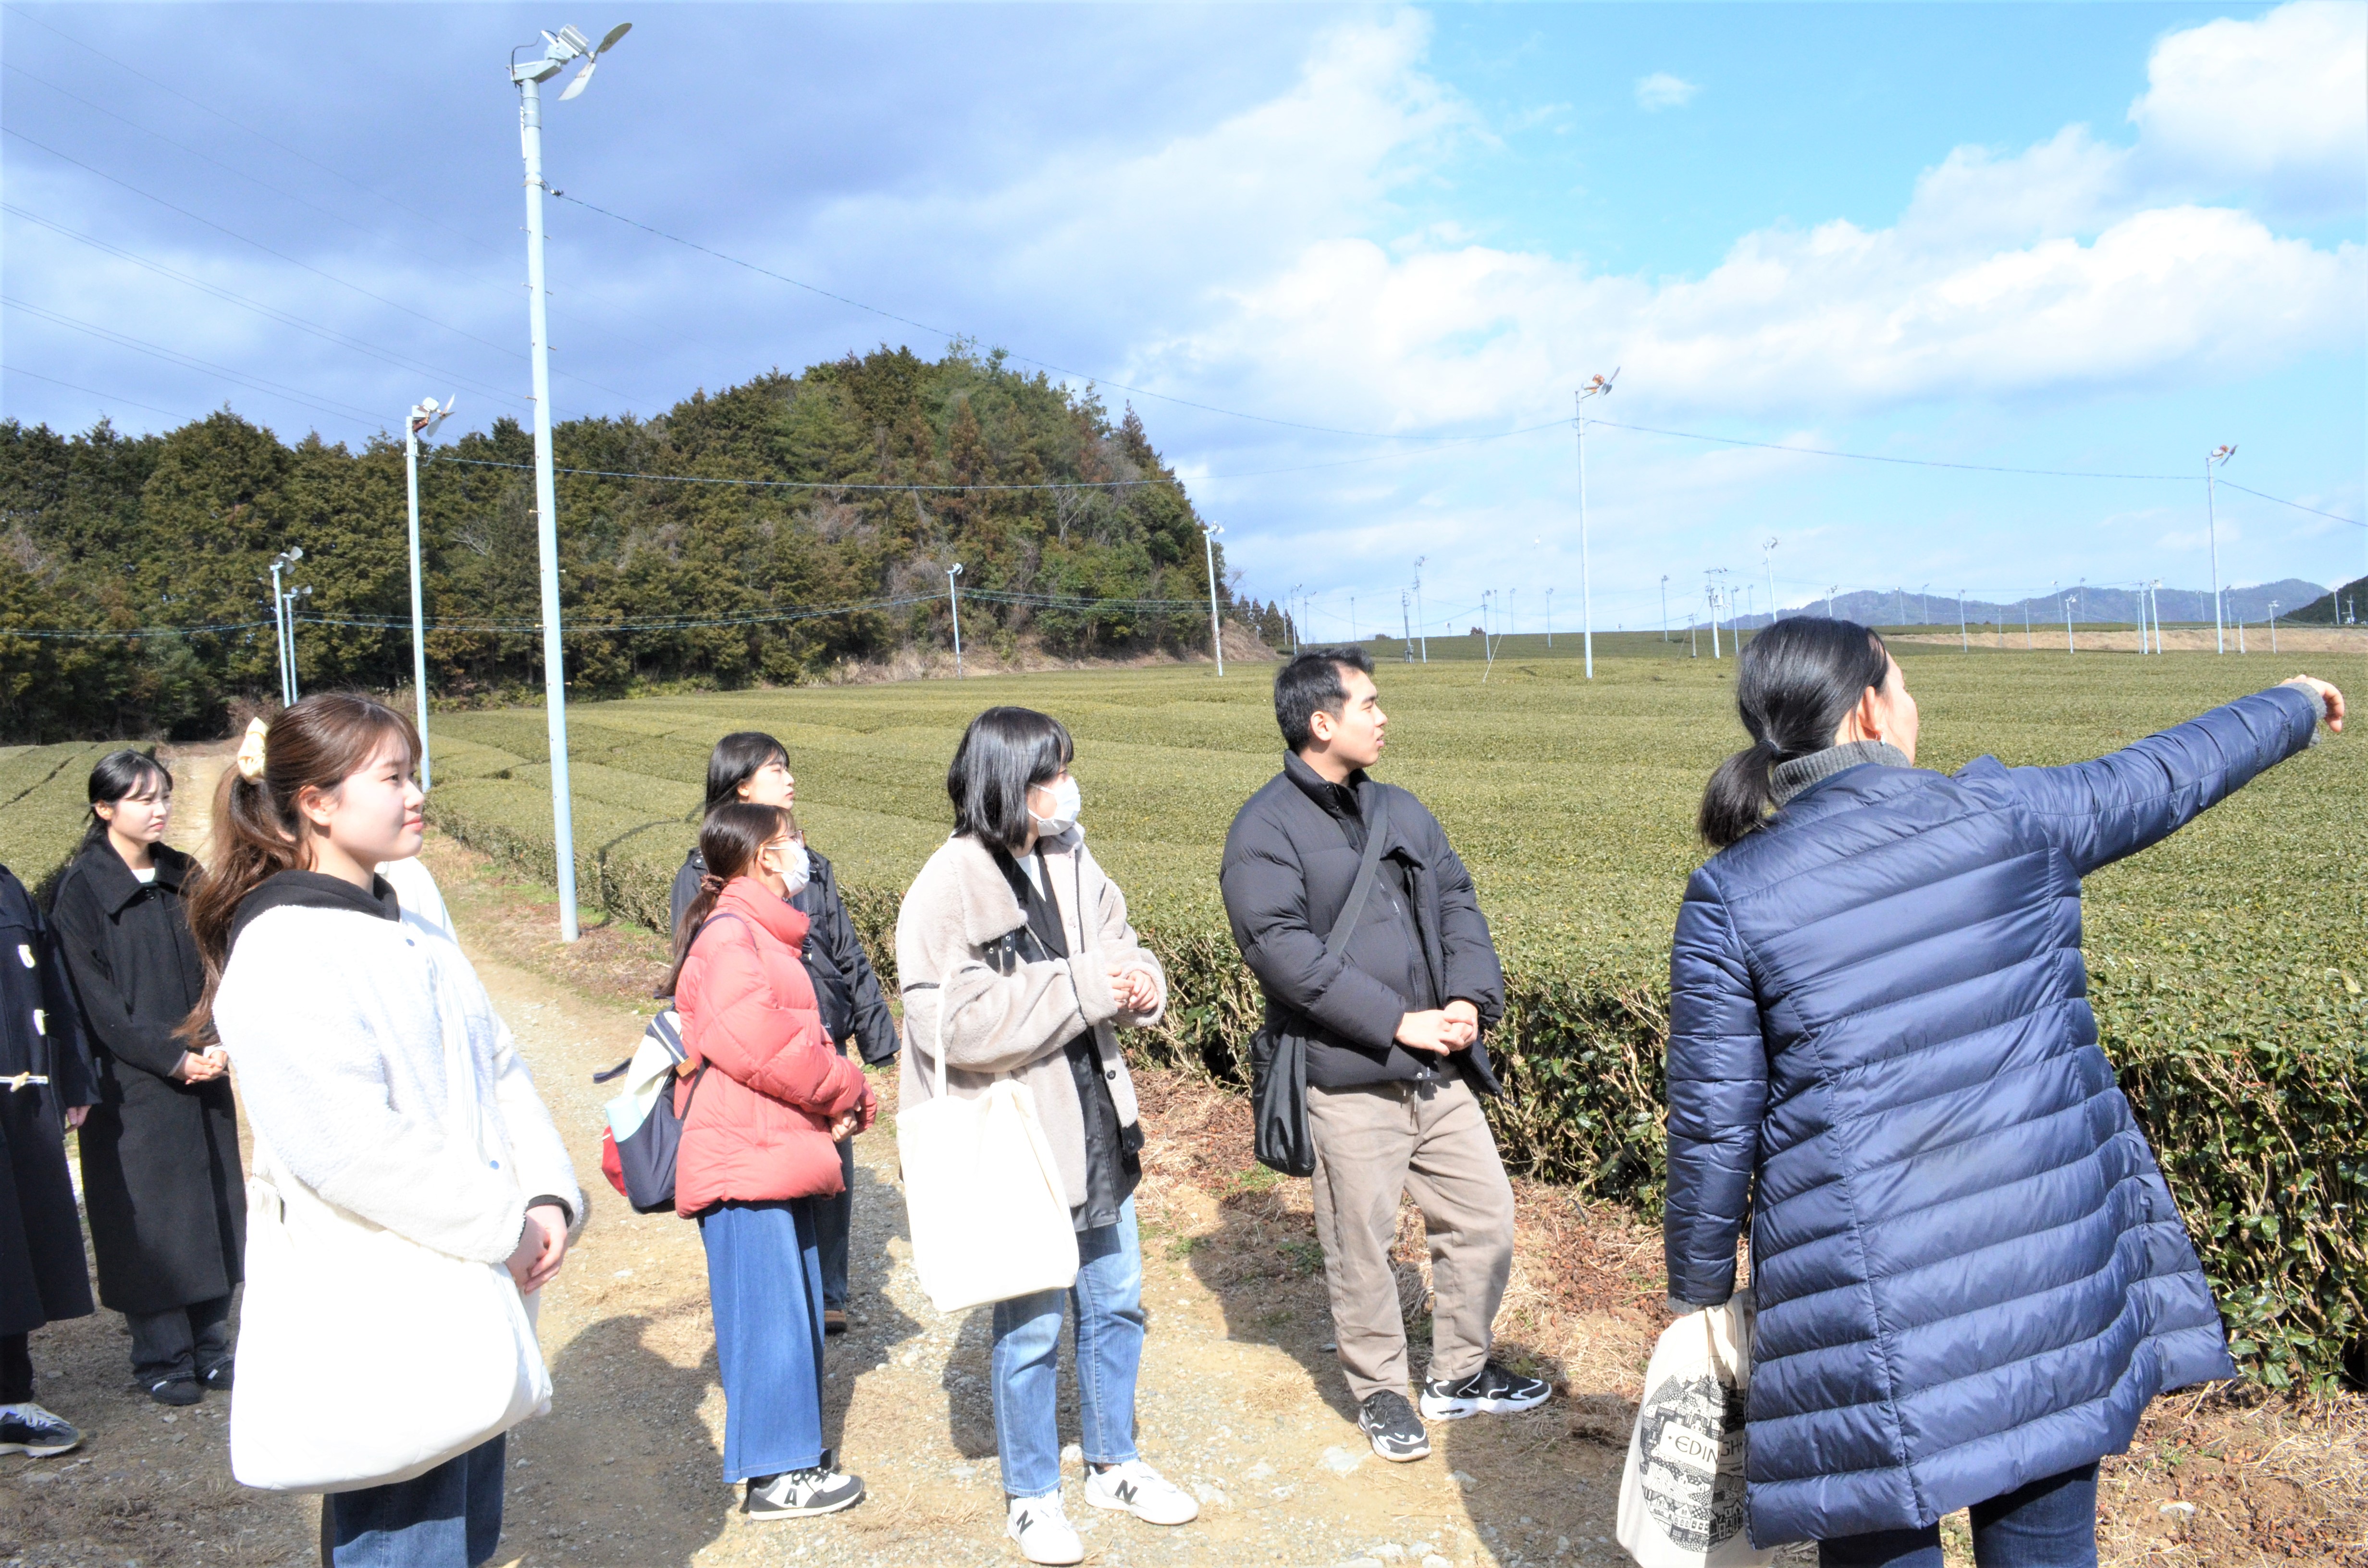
(634, 1477)
(876, 1324)
(1266, 1269)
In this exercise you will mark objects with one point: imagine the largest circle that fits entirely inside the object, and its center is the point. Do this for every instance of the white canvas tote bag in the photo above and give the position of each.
(1682, 1493)
(364, 1358)
(990, 1214)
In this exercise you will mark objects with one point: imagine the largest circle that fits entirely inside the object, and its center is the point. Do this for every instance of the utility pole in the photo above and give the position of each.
(1964, 644)
(1829, 601)
(1407, 624)
(2067, 598)
(1710, 591)
(1217, 637)
(1296, 607)
(1425, 633)
(565, 45)
(953, 610)
(1665, 612)
(1768, 559)
(1694, 637)
(2273, 626)
(418, 422)
(2216, 458)
(1600, 387)
(284, 622)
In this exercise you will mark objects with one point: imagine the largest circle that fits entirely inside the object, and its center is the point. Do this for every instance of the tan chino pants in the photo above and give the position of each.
(1428, 1140)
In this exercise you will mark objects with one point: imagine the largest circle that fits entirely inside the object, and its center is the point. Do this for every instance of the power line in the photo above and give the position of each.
(2297, 506)
(951, 336)
(327, 335)
(316, 400)
(1874, 457)
(93, 392)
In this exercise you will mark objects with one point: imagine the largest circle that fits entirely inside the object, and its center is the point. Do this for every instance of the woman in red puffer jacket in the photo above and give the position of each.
(766, 1101)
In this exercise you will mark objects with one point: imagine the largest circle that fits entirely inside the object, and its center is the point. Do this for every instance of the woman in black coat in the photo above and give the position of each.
(160, 1164)
(45, 1086)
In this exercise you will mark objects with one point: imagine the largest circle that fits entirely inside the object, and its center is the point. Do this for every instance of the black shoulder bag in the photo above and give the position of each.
(1278, 1056)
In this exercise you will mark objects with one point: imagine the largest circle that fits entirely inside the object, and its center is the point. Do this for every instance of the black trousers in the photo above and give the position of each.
(15, 1370)
(179, 1342)
(834, 1218)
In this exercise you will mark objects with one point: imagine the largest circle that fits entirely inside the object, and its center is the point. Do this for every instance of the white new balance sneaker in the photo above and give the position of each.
(1135, 1488)
(1043, 1532)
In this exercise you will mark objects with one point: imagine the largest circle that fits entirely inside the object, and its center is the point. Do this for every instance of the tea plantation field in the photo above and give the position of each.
(2228, 965)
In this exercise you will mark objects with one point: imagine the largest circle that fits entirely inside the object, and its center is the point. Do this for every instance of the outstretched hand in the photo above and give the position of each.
(2331, 700)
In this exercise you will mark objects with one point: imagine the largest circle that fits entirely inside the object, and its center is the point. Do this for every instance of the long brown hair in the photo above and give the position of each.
(319, 742)
(734, 833)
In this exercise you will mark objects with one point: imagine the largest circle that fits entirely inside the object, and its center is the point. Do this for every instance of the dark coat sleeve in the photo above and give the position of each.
(1266, 901)
(2099, 812)
(875, 1026)
(1469, 968)
(684, 888)
(1718, 1090)
(86, 936)
(72, 1078)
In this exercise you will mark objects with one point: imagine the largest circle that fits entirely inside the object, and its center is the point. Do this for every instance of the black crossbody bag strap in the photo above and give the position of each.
(1377, 830)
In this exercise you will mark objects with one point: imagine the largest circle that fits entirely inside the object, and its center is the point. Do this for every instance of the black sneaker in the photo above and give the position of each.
(800, 1493)
(29, 1431)
(218, 1377)
(1389, 1421)
(177, 1391)
(1491, 1391)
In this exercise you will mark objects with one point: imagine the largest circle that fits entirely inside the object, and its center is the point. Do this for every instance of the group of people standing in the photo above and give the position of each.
(1970, 1276)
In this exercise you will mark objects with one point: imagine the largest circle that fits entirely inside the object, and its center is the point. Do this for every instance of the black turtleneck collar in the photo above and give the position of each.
(113, 880)
(1339, 800)
(314, 889)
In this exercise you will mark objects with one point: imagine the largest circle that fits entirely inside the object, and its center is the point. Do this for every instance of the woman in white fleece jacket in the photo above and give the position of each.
(375, 1071)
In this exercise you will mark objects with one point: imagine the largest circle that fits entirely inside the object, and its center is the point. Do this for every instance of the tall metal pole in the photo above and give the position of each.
(1964, 644)
(1418, 620)
(1406, 624)
(546, 512)
(1665, 596)
(411, 421)
(1665, 607)
(953, 609)
(2211, 527)
(1768, 559)
(1216, 640)
(2273, 626)
(1586, 583)
(279, 631)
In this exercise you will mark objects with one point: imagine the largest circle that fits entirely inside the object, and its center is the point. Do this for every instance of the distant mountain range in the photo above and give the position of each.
(2087, 606)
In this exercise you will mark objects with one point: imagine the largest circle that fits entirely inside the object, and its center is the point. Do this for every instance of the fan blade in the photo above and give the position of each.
(578, 85)
(608, 40)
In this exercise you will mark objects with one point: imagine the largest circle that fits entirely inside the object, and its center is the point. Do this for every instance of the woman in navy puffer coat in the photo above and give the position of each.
(1969, 1275)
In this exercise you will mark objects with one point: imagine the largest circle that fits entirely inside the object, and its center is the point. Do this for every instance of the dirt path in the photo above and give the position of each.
(1240, 1398)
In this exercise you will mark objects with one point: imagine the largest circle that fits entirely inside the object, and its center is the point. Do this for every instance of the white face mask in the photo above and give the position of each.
(797, 870)
(1064, 809)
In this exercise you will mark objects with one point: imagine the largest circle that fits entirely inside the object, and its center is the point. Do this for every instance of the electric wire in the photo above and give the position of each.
(318, 402)
(93, 392)
(327, 334)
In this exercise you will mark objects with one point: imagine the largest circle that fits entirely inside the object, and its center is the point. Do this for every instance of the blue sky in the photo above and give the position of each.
(2096, 237)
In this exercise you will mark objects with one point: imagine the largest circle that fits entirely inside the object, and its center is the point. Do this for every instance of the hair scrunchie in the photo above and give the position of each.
(710, 882)
(250, 750)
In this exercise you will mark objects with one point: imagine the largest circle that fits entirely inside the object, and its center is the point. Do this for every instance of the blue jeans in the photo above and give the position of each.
(764, 1283)
(1108, 1300)
(834, 1217)
(449, 1517)
(2047, 1524)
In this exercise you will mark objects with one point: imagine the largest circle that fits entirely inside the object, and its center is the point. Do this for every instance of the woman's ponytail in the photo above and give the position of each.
(1796, 683)
(318, 743)
(1739, 795)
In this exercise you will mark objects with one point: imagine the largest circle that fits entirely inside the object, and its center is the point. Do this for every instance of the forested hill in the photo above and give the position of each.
(107, 532)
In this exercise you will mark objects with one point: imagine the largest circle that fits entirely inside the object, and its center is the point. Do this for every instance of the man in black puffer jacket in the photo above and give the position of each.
(1394, 1058)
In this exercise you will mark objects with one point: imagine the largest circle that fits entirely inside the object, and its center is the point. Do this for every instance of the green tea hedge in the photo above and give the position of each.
(44, 804)
(2226, 965)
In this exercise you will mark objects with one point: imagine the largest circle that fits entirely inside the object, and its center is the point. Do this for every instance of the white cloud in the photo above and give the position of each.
(2281, 100)
(1660, 90)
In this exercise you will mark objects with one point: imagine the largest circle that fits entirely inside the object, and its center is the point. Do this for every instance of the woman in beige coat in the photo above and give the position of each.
(1015, 959)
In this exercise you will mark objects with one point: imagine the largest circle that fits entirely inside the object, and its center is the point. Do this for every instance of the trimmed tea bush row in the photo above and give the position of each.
(44, 804)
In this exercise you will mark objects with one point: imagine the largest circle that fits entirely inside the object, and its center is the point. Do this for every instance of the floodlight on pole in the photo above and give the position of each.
(1767, 560)
(294, 595)
(2273, 626)
(1829, 601)
(1216, 636)
(417, 421)
(562, 46)
(1600, 386)
(2216, 458)
(282, 563)
(953, 609)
